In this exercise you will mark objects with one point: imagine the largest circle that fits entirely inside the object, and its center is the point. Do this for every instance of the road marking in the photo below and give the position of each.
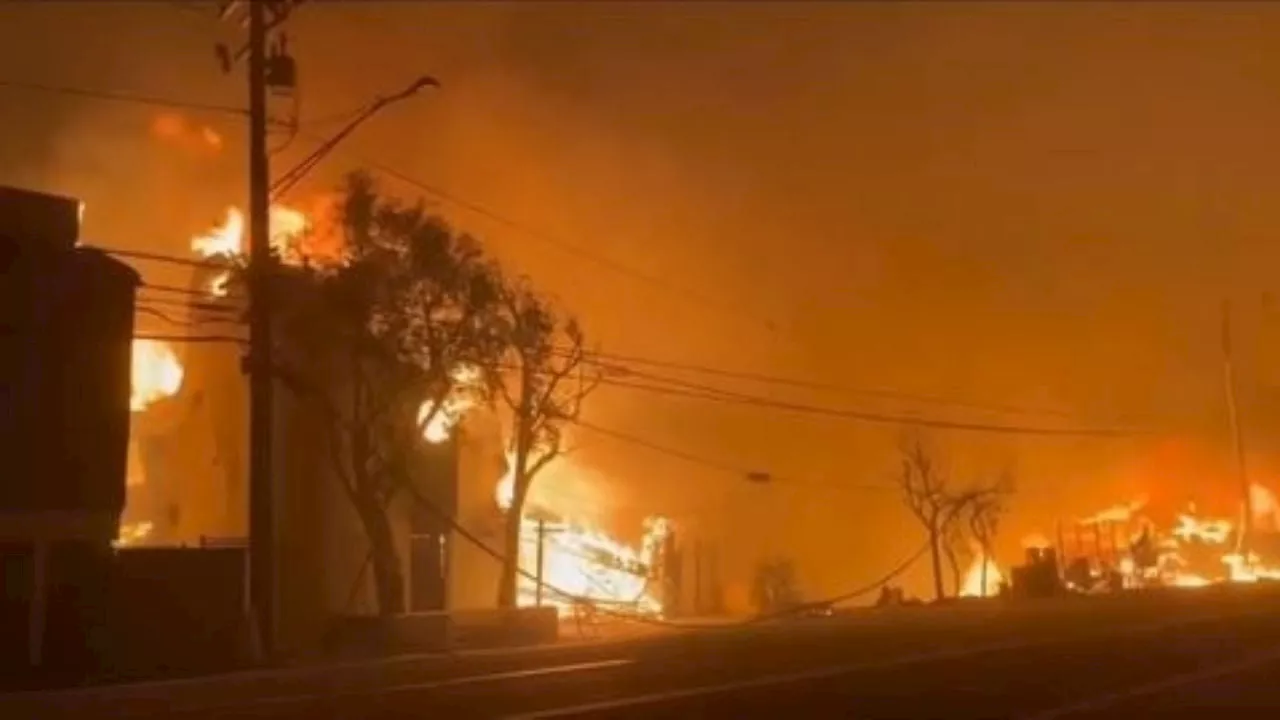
(446, 659)
(392, 689)
(1172, 682)
(830, 672)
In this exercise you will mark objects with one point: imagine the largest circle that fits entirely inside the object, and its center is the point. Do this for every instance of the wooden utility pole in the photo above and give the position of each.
(262, 571)
(1237, 436)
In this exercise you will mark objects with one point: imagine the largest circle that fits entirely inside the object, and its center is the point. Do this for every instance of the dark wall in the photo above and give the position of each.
(178, 610)
(64, 380)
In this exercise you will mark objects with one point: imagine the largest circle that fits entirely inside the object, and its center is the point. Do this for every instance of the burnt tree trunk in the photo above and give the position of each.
(388, 577)
(935, 556)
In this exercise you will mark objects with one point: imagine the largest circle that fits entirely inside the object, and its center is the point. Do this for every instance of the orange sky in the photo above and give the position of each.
(1039, 205)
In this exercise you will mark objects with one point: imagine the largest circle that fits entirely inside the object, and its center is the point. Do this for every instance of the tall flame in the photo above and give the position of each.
(975, 584)
(156, 373)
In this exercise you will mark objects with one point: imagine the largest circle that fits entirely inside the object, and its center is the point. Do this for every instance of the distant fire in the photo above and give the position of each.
(156, 373)
(1192, 551)
(983, 578)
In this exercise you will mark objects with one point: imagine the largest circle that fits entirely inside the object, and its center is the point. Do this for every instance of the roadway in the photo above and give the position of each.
(1135, 656)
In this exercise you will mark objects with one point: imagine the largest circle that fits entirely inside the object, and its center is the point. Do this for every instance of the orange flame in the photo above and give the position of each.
(156, 373)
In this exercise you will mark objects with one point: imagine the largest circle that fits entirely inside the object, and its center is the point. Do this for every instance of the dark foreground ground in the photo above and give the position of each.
(1137, 656)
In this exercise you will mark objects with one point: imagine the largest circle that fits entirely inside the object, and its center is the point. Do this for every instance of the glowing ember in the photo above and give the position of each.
(156, 374)
(133, 534)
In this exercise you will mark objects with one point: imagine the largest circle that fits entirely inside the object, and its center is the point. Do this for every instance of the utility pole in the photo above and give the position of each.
(265, 72)
(262, 570)
(1237, 436)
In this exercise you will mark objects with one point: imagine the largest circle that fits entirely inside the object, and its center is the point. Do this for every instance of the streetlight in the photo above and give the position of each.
(295, 174)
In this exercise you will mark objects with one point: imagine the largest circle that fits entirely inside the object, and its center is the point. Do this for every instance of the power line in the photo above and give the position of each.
(163, 258)
(871, 417)
(135, 98)
(193, 338)
(679, 454)
(559, 243)
(609, 361)
(164, 316)
(177, 290)
(189, 305)
(741, 473)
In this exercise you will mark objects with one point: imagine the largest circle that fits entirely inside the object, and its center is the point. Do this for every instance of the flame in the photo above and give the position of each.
(1118, 513)
(973, 586)
(461, 397)
(583, 562)
(505, 491)
(222, 240)
(156, 373)
(226, 240)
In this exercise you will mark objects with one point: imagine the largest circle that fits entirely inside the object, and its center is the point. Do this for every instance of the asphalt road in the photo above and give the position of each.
(1131, 656)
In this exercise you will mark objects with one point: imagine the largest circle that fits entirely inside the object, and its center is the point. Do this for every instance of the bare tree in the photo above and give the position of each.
(924, 491)
(544, 381)
(955, 542)
(374, 345)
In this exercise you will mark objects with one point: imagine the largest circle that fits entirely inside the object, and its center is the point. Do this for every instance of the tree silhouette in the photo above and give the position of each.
(544, 381)
(376, 343)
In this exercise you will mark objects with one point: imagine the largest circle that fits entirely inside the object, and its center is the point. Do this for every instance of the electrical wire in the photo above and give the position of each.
(162, 315)
(873, 417)
(179, 290)
(161, 257)
(204, 308)
(561, 244)
(610, 361)
(139, 99)
(679, 454)
(645, 619)
(194, 338)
